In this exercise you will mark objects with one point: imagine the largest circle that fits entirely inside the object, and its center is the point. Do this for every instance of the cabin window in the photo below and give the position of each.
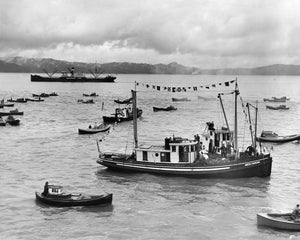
(192, 148)
(183, 154)
(173, 148)
(165, 157)
(156, 154)
(145, 156)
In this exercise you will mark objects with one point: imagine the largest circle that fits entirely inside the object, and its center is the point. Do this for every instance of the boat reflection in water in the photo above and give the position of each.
(212, 154)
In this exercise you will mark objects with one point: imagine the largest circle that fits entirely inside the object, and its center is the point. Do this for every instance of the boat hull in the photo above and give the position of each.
(69, 202)
(10, 113)
(280, 139)
(277, 108)
(37, 78)
(92, 131)
(277, 221)
(156, 109)
(256, 168)
(113, 119)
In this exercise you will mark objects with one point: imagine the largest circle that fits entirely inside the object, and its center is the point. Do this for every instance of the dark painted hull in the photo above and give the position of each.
(108, 119)
(17, 100)
(37, 78)
(277, 108)
(128, 101)
(278, 221)
(92, 131)
(274, 100)
(15, 122)
(180, 100)
(69, 202)
(256, 168)
(10, 113)
(34, 100)
(156, 109)
(280, 139)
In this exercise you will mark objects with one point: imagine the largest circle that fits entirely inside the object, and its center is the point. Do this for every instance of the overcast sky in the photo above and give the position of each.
(200, 33)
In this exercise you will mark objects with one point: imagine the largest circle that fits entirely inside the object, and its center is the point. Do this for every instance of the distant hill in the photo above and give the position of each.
(38, 65)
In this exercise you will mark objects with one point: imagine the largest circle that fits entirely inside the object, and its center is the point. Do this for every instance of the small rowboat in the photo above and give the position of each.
(279, 221)
(56, 197)
(35, 99)
(269, 136)
(94, 129)
(169, 108)
(280, 107)
(180, 99)
(90, 95)
(12, 121)
(126, 101)
(275, 99)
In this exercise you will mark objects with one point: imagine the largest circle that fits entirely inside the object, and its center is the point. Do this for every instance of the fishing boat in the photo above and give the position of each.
(56, 197)
(169, 108)
(283, 221)
(12, 121)
(181, 99)
(280, 107)
(12, 112)
(214, 155)
(122, 115)
(90, 95)
(53, 94)
(72, 76)
(270, 136)
(94, 129)
(125, 101)
(2, 122)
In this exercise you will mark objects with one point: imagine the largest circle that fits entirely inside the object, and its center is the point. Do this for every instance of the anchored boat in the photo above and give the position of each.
(213, 155)
(269, 136)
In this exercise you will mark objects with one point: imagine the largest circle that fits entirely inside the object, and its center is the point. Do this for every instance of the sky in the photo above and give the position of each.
(196, 33)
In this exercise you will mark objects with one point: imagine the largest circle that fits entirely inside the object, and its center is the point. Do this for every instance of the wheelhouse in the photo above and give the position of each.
(176, 150)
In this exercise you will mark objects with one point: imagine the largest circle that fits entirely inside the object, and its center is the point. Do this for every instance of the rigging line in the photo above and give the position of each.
(129, 128)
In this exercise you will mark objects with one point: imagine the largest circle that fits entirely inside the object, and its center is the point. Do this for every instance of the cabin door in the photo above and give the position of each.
(183, 153)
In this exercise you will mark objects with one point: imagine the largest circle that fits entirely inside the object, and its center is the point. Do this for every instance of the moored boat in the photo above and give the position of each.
(280, 107)
(181, 99)
(12, 121)
(12, 112)
(122, 115)
(169, 108)
(18, 100)
(90, 95)
(35, 99)
(125, 101)
(274, 99)
(270, 136)
(56, 197)
(214, 155)
(88, 101)
(283, 221)
(94, 129)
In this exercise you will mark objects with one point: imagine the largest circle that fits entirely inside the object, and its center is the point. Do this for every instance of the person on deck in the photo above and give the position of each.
(46, 189)
(296, 212)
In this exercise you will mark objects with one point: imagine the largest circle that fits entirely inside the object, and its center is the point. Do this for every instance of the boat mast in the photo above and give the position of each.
(248, 107)
(236, 93)
(134, 118)
(255, 128)
(219, 96)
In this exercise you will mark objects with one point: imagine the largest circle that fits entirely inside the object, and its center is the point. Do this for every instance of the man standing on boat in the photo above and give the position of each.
(296, 213)
(46, 189)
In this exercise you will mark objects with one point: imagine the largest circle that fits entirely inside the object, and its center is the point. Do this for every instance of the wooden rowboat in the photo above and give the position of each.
(269, 136)
(278, 221)
(94, 129)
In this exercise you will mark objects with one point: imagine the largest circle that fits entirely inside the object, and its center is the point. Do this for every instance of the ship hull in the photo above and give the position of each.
(256, 168)
(37, 78)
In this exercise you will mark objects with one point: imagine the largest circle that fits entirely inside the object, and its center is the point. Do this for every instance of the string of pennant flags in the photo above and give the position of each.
(186, 88)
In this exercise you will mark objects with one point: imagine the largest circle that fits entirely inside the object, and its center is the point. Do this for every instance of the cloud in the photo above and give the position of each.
(203, 32)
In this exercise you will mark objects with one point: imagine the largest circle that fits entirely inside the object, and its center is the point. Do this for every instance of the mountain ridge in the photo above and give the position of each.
(39, 65)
